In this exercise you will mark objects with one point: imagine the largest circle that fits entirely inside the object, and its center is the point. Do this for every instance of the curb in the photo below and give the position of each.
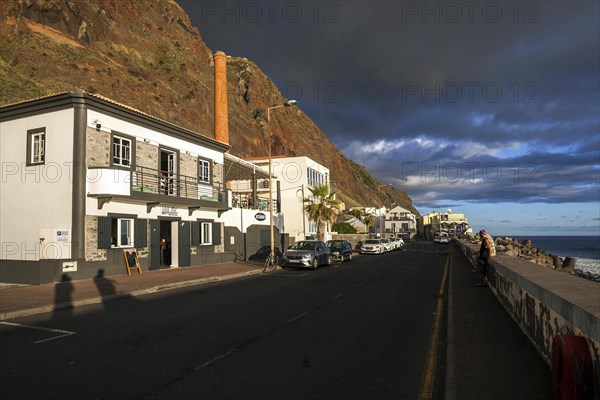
(137, 293)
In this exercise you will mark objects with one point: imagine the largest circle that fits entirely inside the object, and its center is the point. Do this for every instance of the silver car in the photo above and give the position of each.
(307, 254)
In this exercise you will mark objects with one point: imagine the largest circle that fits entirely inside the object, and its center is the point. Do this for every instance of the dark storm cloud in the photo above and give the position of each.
(398, 83)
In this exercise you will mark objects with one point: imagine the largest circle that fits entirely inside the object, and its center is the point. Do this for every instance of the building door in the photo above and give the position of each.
(165, 243)
(154, 244)
(265, 238)
(168, 170)
(184, 244)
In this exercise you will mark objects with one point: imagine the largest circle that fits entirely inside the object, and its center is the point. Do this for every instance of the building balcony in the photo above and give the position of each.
(154, 187)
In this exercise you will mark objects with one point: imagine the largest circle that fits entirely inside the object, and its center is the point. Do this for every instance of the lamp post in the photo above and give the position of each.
(382, 217)
(286, 104)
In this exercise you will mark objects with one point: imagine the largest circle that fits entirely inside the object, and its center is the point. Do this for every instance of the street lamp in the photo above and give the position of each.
(286, 104)
(382, 217)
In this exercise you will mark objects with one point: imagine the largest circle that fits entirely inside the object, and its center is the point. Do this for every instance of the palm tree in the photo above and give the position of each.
(368, 219)
(321, 207)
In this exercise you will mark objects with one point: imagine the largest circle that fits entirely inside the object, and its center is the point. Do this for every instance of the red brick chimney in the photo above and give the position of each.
(221, 113)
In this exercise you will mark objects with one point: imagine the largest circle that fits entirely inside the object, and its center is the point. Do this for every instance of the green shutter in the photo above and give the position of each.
(216, 233)
(195, 233)
(141, 233)
(104, 232)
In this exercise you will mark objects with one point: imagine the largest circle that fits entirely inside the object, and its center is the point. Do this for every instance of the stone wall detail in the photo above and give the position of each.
(188, 165)
(146, 155)
(97, 148)
(92, 252)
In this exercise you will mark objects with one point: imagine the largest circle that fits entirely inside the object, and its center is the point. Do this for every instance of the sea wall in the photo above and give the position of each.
(545, 302)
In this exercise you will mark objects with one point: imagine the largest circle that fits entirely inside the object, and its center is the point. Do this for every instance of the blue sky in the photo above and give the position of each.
(487, 108)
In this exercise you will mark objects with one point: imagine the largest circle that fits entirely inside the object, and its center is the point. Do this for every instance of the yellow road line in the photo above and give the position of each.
(426, 391)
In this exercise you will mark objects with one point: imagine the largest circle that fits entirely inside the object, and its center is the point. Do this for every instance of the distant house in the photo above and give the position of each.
(448, 222)
(357, 223)
(398, 222)
(295, 175)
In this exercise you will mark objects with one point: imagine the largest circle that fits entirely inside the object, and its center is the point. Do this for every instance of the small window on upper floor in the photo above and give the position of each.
(121, 151)
(203, 171)
(36, 146)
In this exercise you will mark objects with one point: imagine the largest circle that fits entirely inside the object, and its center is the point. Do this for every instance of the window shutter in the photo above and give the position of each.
(103, 233)
(216, 233)
(141, 233)
(195, 233)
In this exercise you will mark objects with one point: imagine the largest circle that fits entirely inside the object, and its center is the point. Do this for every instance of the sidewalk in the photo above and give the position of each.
(489, 356)
(19, 301)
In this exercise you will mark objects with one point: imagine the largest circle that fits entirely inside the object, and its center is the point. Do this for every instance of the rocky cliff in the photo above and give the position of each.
(146, 54)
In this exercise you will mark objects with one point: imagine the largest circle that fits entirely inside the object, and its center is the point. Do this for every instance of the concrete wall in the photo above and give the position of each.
(36, 200)
(545, 302)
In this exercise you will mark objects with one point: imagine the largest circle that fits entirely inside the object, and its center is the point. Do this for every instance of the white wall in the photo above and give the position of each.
(110, 123)
(36, 200)
(242, 218)
(292, 175)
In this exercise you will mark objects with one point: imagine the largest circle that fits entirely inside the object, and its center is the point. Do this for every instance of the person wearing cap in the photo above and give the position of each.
(486, 251)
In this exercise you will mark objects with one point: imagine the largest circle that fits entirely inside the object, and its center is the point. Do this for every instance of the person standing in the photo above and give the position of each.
(487, 250)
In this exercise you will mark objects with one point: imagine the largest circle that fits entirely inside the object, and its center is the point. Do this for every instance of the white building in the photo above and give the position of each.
(84, 177)
(398, 222)
(295, 175)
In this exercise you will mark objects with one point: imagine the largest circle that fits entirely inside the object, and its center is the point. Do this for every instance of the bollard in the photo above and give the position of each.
(572, 368)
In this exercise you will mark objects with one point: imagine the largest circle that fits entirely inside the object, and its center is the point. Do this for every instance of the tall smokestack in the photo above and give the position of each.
(221, 113)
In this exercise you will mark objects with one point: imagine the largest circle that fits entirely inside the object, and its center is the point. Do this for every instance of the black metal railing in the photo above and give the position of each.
(148, 180)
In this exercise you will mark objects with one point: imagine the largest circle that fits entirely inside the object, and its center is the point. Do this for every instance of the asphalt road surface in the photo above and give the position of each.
(353, 331)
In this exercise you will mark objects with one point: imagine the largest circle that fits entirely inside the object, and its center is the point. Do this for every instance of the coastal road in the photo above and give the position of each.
(352, 331)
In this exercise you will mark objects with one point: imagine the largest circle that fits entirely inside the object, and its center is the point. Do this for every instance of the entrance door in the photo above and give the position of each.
(165, 243)
(184, 244)
(154, 244)
(265, 238)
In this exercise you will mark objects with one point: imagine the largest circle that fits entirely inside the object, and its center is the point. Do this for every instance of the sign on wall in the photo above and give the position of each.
(260, 216)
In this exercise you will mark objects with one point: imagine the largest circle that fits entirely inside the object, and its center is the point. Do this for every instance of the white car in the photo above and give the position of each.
(400, 242)
(387, 245)
(372, 246)
(444, 240)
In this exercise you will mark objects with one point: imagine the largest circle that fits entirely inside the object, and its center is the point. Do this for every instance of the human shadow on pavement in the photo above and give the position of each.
(106, 287)
(63, 296)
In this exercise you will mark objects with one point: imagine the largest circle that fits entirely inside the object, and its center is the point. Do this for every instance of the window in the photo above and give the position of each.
(121, 151)
(36, 146)
(121, 232)
(315, 178)
(204, 171)
(206, 233)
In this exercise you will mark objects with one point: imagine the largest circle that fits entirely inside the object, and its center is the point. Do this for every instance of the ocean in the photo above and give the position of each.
(585, 249)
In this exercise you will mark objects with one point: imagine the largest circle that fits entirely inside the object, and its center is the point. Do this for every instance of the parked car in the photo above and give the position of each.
(340, 250)
(359, 245)
(263, 252)
(307, 253)
(394, 243)
(400, 242)
(372, 246)
(444, 240)
(387, 245)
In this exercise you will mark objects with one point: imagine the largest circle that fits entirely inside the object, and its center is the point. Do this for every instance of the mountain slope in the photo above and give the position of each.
(146, 54)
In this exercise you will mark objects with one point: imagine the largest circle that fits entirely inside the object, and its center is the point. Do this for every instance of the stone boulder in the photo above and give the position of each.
(527, 243)
(568, 264)
(557, 262)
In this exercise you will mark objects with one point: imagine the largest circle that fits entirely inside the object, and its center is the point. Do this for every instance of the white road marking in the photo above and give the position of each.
(361, 284)
(297, 317)
(337, 296)
(39, 328)
(214, 360)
